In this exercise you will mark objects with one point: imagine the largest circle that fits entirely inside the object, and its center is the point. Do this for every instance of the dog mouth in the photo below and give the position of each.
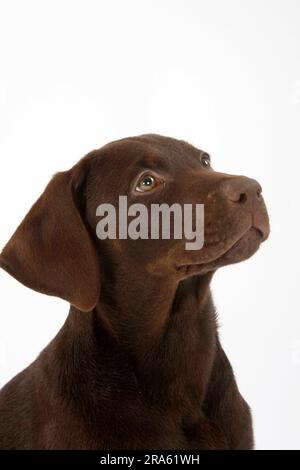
(243, 248)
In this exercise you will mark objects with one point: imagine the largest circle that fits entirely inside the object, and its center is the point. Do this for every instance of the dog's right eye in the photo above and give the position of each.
(147, 183)
(205, 160)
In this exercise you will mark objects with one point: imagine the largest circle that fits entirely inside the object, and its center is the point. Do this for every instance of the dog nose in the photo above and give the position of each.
(242, 190)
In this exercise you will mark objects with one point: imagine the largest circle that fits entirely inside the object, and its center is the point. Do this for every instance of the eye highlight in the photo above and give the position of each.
(205, 160)
(147, 182)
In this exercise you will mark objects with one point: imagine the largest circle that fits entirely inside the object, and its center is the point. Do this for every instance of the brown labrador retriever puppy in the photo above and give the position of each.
(138, 363)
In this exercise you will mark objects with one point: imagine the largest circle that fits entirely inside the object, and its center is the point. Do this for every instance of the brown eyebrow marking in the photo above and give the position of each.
(150, 158)
(152, 163)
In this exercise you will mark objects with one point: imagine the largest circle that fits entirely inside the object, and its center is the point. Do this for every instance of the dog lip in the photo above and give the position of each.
(251, 227)
(260, 222)
(259, 230)
(262, 229)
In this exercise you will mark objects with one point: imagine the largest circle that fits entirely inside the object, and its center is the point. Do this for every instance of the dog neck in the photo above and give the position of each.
(167, 328)
(157, 335)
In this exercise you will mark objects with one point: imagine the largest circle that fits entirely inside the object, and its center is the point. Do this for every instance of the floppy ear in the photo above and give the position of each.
(51, 251)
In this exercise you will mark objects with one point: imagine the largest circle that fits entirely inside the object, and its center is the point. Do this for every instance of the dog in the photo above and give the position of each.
(138, 363)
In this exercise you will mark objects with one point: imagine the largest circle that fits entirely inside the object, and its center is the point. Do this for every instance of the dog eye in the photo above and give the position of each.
(146, 183)
(205, 160)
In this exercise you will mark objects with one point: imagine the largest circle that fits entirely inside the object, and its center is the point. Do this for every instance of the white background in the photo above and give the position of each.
(224, 75)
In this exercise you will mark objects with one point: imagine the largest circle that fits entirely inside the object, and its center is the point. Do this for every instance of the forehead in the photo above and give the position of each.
(149, 151)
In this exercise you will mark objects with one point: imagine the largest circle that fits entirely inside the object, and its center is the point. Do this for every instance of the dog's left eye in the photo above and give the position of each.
(205, 160)
(146, 183)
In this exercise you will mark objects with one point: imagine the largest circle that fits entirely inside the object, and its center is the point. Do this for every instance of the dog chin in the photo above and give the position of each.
(243, 249)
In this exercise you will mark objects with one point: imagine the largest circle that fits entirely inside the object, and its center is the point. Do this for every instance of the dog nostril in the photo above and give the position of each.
(242, 199)
(241, 190)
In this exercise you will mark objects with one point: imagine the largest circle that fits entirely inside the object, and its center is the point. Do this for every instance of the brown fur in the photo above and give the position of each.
(138, 363)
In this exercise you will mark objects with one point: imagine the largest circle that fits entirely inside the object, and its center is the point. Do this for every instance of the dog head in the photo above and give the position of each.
(56, 249)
